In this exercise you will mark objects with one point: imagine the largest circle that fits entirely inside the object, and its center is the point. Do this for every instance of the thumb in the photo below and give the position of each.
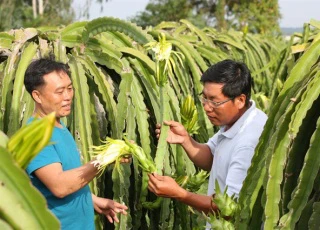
(169, 123)
(157, 176)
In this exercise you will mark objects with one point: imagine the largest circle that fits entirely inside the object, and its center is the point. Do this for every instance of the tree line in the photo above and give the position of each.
(253, 16)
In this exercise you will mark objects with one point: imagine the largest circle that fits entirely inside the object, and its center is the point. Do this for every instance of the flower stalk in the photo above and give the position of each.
(164, 65)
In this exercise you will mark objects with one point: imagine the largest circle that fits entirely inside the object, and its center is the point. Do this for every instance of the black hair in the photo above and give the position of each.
(234, 75)
(33, 77)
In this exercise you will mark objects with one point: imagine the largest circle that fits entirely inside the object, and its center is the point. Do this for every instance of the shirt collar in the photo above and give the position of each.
(235, 128)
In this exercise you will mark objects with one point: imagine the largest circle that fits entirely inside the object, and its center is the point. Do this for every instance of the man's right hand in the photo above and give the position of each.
(165, 186)
(177, 134)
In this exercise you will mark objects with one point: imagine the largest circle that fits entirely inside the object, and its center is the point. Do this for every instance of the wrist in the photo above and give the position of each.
(95, 164)
(182, 195)
(186, 141)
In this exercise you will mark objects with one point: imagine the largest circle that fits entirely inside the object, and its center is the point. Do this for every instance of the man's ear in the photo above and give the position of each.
(241, 101)
(36, 96)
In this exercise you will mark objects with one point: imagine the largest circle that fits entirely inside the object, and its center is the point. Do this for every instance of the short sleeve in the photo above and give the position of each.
(212, 143)
(48, 155)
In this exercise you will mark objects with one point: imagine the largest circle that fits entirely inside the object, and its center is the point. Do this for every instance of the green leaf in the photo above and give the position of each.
(24, 207)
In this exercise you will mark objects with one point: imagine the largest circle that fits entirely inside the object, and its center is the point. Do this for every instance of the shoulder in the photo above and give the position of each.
(254, 123)
(212, 142)
(249, 134)
(258, 114)
(46, 156)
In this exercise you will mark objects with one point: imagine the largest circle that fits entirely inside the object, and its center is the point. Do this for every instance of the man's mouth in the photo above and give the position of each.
(68, 106)
(211, 118)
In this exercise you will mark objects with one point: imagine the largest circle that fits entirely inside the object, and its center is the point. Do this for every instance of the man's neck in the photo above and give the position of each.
(241, 112)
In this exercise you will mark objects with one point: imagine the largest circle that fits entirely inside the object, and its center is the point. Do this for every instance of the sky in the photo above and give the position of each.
(294, 12)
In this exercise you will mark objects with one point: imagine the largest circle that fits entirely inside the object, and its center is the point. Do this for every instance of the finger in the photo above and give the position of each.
(114, 216)
(168, 122)
(151, 177)
(151, 189)
(117, 210)
(123, 211)
(121, 206)
(98, 210)
(157, 177)
(116, 219)
(109, 218)
(158, 126)
(151, 182)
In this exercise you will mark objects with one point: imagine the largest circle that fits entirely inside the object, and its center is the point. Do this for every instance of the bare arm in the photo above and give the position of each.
(202, 203)
(62, 183)
(165, 186)
(199, 154)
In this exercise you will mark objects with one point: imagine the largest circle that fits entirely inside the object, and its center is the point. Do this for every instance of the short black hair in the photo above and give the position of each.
(33, 77)
(234, 75)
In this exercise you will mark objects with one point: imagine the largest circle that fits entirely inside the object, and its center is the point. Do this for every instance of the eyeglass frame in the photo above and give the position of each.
(213, 104)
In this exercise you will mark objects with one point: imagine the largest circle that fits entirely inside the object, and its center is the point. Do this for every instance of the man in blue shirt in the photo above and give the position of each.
(57, 171)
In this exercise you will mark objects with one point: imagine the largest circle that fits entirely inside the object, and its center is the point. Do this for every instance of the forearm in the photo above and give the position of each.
(77, 178)
(165, 186)
(202, 203)
(62, 183)
(199, 154)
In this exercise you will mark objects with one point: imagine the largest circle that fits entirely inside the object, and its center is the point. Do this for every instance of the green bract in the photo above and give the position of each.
(226, 204)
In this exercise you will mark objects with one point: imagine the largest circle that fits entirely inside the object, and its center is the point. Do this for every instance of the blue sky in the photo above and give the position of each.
(294, 12)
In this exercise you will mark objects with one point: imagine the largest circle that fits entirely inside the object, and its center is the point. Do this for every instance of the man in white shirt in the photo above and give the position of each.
(226, 101)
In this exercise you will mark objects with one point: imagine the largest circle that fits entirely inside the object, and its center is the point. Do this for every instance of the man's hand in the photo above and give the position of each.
(176, 134)
(165, 186)
(109, 208)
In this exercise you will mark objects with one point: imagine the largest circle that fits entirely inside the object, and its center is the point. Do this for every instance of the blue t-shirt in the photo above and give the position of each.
(74, 211)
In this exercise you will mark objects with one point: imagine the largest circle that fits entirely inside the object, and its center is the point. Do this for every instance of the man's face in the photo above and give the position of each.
(56, 94)
(224, 114)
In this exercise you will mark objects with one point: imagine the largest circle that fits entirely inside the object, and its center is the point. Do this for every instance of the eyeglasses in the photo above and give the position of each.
(213, 104)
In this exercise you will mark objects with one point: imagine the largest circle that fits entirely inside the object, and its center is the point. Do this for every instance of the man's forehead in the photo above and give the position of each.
(57, 79)
(56, 75)
(59, 73)
(212, 88)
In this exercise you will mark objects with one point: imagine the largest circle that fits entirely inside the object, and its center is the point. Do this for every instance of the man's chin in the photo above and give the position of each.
(64, 114)
(215, 123)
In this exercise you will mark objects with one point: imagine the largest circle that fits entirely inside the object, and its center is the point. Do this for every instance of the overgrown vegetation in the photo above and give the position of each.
(116, 93)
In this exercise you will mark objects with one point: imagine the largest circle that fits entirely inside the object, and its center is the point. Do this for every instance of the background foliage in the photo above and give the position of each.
(254, 16)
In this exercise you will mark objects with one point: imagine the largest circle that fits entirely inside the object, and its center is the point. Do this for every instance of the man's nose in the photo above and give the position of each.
(68, 95)
(207, 107)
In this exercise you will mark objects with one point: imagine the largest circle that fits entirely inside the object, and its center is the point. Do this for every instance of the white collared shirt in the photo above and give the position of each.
(233, 149)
